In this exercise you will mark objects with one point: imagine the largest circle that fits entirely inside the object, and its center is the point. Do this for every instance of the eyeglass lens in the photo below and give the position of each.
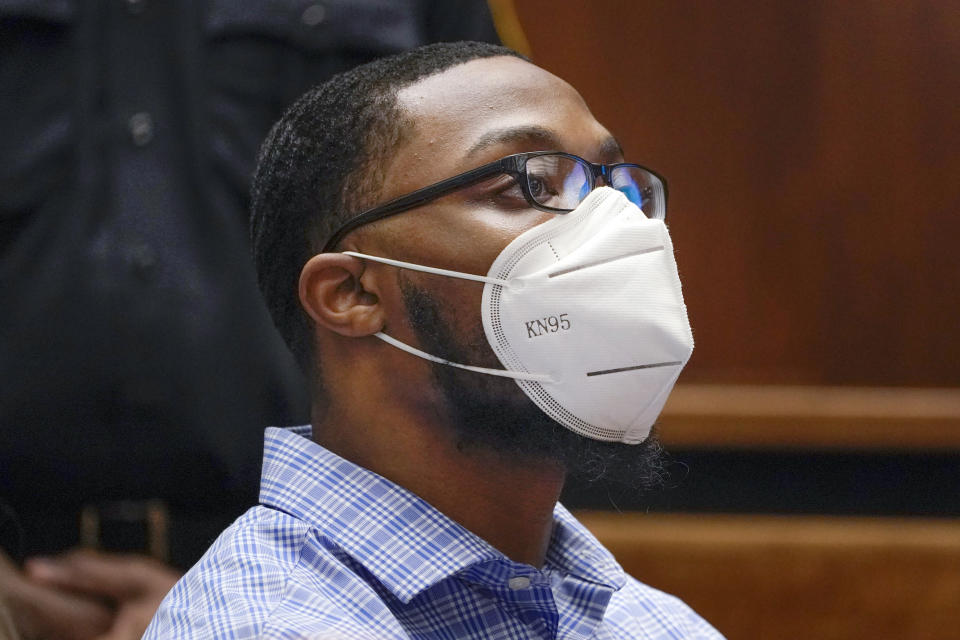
(562, 182)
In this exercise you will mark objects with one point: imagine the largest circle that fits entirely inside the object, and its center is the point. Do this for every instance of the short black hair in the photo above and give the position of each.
(321, 163)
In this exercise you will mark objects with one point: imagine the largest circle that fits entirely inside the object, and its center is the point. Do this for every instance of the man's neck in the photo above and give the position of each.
(508, 503)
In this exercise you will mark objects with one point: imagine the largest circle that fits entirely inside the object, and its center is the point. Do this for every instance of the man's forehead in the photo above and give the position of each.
(496, 81)
(486, 102)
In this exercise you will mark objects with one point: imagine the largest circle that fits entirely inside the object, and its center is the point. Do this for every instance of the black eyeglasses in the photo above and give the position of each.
(550, 181)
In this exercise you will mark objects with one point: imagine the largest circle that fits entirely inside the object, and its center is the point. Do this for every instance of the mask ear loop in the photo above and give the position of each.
(433, 270)
(503, 373)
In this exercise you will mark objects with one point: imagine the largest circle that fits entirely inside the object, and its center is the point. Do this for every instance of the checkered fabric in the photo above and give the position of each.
(336, 551)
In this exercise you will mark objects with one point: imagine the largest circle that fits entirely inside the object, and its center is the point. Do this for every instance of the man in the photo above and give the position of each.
(423, 501)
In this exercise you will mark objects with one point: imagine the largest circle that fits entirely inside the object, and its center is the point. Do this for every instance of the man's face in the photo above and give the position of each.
(465, 117)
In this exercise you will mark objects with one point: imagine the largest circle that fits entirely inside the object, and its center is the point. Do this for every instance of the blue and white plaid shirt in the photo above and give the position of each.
(337, 551)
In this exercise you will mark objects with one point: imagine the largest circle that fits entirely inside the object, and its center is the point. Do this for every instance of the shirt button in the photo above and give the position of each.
(313, 15)
(518, 582)
(141, 128)
(136, 7)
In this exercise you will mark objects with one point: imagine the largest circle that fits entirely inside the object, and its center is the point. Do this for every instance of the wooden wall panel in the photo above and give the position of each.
(826, 419)
(798, 577)
(812, 153)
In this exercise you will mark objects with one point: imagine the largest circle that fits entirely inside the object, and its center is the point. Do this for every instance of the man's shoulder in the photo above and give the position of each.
(639, 610)
(266, 564)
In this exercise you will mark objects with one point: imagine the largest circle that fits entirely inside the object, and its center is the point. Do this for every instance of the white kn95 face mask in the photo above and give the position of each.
(585, 312)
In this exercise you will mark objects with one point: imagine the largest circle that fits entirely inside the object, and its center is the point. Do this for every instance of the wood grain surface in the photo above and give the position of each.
(812, 154)
(798, 577)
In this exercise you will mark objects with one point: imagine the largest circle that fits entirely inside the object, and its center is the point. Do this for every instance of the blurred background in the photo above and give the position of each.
(811, 150)
(812, 155)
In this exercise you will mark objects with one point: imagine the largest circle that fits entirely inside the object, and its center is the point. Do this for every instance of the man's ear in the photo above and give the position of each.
(332, 294)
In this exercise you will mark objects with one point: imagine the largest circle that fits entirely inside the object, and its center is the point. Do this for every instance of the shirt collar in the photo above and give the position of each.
(574, 550)
(408, 545)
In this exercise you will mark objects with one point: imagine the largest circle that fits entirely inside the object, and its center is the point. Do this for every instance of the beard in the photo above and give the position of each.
(492, 413)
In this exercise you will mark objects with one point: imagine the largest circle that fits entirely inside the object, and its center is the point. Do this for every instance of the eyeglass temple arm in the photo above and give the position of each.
(418, 198)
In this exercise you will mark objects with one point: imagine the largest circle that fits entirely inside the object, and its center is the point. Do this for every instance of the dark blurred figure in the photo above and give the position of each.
(138, 367)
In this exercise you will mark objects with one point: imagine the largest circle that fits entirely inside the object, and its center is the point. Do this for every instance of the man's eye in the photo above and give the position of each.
(538, 188)
(541, 187)
(544, 189)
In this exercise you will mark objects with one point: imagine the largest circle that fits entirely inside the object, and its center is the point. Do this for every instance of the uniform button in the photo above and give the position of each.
(313, 15)
(143, 256)
(518, 582)
(142, 259)
(141, 128)
(136, 7)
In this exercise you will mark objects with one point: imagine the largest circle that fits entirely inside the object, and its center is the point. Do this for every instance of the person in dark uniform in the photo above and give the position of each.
(138, 367)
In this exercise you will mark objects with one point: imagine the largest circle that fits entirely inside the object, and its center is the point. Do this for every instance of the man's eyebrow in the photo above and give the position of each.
(610, 149)
(545, 138)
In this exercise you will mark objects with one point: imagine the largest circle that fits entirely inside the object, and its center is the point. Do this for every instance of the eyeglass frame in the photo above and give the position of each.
(514, 165)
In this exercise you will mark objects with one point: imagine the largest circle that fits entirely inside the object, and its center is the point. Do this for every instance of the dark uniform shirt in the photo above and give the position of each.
(136, 357)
